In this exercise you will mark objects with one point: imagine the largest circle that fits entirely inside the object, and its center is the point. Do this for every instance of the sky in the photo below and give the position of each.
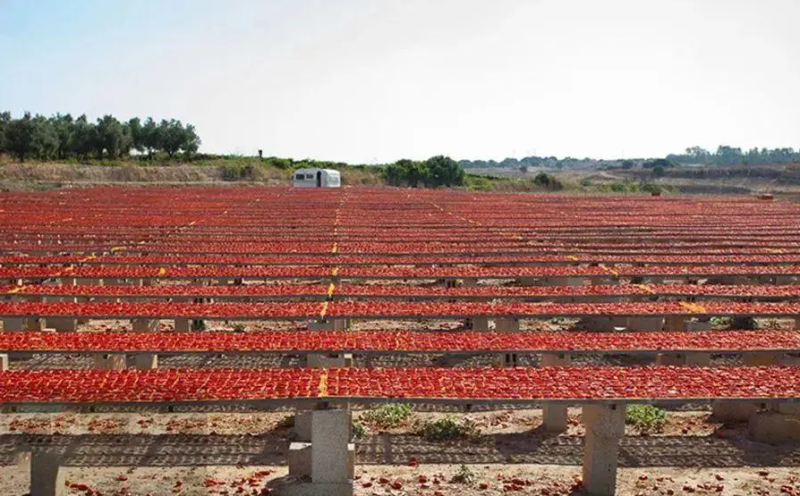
(373, 81)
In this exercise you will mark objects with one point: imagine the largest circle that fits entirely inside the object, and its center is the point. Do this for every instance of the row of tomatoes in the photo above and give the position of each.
(388, 259)
(501, 384)
(382, 309)
(286, 289)
(399, 341)
(390, 272)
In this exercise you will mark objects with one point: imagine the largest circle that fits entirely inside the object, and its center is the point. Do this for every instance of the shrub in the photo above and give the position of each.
(446, 429)
(463, 475)
(545, 180)
(646, 418)
(387, 416)
(359, 430)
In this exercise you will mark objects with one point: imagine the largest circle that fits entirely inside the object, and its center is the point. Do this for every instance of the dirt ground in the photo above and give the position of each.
(142, 453)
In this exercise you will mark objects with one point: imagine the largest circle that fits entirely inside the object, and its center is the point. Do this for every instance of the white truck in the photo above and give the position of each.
(316, 178)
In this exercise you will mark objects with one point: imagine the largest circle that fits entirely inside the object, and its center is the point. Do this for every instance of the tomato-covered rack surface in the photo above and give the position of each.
(400, 342)
(426, 384)
(287, 290)
(378, 309)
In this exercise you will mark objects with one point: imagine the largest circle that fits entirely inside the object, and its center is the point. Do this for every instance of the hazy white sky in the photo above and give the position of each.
(379, 80)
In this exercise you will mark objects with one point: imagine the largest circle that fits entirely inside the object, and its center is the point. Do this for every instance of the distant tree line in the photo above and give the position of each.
(727, 155)
(724, 155)
(434, 172)
(62, 137)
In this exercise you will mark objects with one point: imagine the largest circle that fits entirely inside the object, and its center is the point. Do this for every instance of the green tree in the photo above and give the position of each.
(443, 171)
(19, 136)
(173, 136)
(44, 139)
(110, 138)
(152, 137)
(191, 141)
(64, 128)
(658, 171)
(82, 140)
(5, 118)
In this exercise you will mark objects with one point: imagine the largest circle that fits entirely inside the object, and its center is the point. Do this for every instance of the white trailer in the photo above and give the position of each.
(316, 178)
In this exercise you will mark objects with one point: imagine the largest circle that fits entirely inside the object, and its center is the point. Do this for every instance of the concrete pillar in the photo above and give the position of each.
(330, 435)
(507, 325)
(182, 325)
(62, 324)
(329, 361)
(554, 416)
(605, 426)
(145, 361)
(733, 411)
(15, 324)
(329, 459)
(649, 324)
(145, 325)
(3, 363)
(740, 411)
(692, 326)
(46, 477)
(674, 323)
(114, 361)
(480, 324)
(35, 324)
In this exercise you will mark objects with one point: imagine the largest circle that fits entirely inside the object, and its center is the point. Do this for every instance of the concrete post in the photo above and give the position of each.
(3, 363)
(673, 323)
(330, 435)
(35, 324)
(480, 324)
(62, 324)
(46, 476)
(554, 416)
(145, 361)
(649, 324)
(605, 426)
(182, 325)
(329, 459)
(736, 411)
(114, 361)
(14, 325)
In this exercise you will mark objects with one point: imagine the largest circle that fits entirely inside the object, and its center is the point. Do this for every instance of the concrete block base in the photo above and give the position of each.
(311, 489)
(733, 411)
(300, 459)
(605, 426)
(3, 363)
(774, 427)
